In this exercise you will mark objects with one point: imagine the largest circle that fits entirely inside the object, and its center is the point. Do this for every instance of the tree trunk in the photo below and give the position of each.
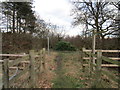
(17, 25)
(103, 42)
(93, 47)
(20, 25)
(25, 27)
(97, 26)
(7, 21)
(13, 21)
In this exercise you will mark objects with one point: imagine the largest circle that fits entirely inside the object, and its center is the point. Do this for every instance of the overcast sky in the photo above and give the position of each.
(57, 12)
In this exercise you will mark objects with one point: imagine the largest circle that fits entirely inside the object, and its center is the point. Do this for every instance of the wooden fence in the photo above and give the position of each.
(98, 66)
(31, 64)
(109, 59)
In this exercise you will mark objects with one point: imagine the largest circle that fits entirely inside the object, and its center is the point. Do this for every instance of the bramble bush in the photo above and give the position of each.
(64, 46)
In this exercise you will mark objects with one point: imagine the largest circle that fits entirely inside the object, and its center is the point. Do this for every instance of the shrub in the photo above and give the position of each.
(64, 46)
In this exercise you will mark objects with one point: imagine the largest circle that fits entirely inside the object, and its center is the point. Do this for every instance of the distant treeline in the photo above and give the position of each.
(25, 29)
(16, 43)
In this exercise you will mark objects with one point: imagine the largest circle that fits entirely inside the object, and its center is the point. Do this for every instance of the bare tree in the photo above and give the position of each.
(99, 16)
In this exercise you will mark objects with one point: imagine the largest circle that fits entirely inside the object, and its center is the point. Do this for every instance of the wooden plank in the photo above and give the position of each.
(101, 50)
(5, 74)
(32, 83)
(98, 69)
(41, 61)
(110, 60)
(88, 50)
(38, 65)
(87, 58)
(105, 65)
(113, 58)
(16, 55)
(1, 76)
(99, 60)
(13, 55)
(109, 65)
(93, 47)
(18, 75)
(110, 50)
(14, 68)
(44, 59)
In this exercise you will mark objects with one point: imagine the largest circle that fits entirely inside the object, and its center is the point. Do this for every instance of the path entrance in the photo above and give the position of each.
(68, 76)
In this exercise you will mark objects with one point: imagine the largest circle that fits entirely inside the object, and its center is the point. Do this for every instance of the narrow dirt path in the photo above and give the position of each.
(59, 63)
(67, 74)
(45, 79)
(59, 81)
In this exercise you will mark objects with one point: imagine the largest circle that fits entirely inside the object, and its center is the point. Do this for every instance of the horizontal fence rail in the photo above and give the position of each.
(15, 55)
(105, 65)
(84, 50)
(113, 58)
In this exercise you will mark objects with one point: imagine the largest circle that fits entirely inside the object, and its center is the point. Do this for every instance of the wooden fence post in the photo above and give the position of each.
(82, 60)
(32, 82)
(90, 64)
(98, 69)
(93, 47)
(5, 74)
(44, 59)
(99, 60)
(39, 62)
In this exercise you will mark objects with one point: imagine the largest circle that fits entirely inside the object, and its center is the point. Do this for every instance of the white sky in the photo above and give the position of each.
(57, 12)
